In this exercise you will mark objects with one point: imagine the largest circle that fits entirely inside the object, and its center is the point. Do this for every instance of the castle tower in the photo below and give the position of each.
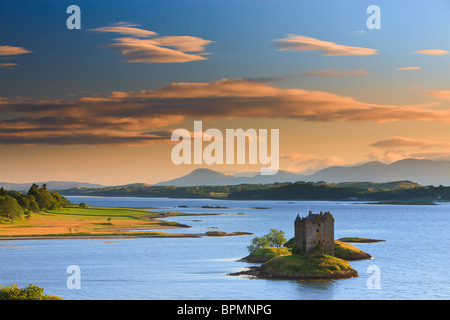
(314, 230)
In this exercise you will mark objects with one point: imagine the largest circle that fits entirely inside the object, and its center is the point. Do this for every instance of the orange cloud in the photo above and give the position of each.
(126, 117)
(126, 29)
(401, 142)
(166, 49)
(7, 65)
(10, 50)
(302, 43)
(183, 43)
(439, 94)
(407, 68)
(143, 50)
(432, 52)
(398, 148)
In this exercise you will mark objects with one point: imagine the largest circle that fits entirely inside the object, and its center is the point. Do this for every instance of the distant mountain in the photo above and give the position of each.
(201, 177)
(209, 177)
(424, 172)
(374, 171)
(51, 185)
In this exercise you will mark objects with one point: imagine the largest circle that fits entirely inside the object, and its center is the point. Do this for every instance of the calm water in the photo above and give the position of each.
(413, 261)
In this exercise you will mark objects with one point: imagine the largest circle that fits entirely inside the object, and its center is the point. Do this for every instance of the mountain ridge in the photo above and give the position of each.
(422, 171)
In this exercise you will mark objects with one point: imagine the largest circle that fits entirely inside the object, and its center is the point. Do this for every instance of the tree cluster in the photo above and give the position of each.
(14, 204)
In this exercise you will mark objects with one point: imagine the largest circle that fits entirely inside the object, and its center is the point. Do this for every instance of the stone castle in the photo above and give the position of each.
(314, 230)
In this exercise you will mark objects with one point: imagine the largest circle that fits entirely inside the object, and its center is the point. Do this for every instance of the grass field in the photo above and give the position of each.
(93, 221)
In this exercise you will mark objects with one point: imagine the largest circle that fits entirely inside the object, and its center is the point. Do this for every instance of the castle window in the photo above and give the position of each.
(317, 230)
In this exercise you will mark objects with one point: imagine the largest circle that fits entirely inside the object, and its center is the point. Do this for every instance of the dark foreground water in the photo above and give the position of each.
(413, 263)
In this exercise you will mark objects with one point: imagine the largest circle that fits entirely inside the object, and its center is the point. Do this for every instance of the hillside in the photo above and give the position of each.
(404, 191)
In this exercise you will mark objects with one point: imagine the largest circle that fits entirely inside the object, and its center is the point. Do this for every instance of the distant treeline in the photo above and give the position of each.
(14, 204)
(399, 190)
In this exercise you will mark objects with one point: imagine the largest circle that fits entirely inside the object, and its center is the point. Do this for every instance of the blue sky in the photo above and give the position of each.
(73, 61)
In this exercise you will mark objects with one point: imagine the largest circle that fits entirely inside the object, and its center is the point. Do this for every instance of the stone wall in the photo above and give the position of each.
(315, 230)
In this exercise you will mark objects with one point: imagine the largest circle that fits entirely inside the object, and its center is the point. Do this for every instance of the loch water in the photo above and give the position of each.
(413, 262)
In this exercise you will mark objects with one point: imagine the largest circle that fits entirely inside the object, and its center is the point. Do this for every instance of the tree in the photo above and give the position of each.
(44, 198)
(60, 199)
(274, 238)
(10, 208)
(258, 243)
(21, 199)
(31, 292)
(33, 207)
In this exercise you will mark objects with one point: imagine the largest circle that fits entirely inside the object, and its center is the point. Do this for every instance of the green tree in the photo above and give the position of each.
(62, 202)
(10, 208)
(44, 199)
(258, 243)
(276, 238)
(33, 207)
(31, 292)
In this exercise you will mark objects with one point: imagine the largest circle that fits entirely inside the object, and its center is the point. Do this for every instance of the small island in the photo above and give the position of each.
(359, 240)
(312, 254)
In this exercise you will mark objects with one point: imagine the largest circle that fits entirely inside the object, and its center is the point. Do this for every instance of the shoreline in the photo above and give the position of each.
(258, 272)
(68, 237)
(115, 230)
(124, 236)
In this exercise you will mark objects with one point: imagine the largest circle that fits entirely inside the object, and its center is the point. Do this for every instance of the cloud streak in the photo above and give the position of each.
(149, 51)
(128, 117)
(401, 142)
(126, 29)
(10, 50)
(138, 47)
(432, 52)
(328, 48)
(7, 65)
(407, 68)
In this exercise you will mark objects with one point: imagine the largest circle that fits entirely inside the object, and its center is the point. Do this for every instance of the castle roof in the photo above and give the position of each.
(314, 216)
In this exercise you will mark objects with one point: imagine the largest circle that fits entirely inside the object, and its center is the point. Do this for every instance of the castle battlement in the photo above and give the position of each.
(314, 230)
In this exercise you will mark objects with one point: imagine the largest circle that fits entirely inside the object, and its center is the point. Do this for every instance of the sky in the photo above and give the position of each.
(98, 104)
